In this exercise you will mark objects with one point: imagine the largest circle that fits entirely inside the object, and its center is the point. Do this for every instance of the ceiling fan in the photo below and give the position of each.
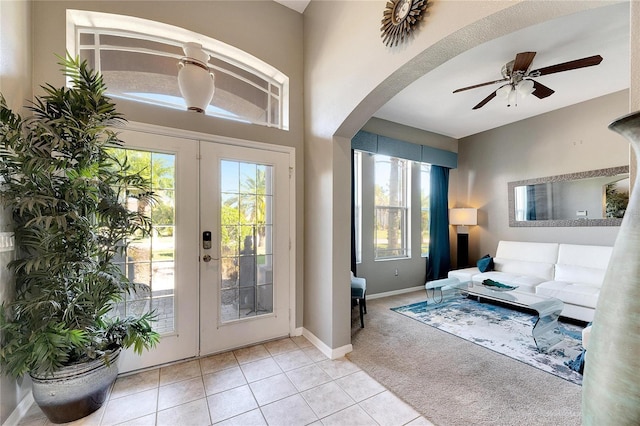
(520, 80)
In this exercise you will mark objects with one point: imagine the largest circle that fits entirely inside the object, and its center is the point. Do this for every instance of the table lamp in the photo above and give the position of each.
(463, 218)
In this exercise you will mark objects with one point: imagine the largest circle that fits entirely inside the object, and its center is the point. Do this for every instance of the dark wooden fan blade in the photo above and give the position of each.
(541, 91)
(485, 100)
(571, 65)
(523, 61)
(479, 85)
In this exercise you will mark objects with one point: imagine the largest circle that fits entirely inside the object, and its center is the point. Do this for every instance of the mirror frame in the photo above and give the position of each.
(612, 171)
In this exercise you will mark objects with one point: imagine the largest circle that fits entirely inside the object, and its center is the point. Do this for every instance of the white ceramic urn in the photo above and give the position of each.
(195, 80)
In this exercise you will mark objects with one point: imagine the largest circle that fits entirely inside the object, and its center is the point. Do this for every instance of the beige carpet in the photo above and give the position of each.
(451, 381)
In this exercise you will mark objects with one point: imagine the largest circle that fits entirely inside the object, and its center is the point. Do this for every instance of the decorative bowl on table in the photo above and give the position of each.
(496, 286)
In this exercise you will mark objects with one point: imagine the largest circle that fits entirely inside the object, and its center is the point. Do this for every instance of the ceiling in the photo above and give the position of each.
(297, 5)
(430, 104)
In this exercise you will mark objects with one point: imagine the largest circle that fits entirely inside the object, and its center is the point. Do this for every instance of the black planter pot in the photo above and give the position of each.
(75, 391)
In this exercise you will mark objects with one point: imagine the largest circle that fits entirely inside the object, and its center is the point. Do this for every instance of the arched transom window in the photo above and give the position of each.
(139, 59)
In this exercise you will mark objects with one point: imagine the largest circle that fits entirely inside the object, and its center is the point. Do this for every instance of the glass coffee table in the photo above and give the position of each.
(547, 308)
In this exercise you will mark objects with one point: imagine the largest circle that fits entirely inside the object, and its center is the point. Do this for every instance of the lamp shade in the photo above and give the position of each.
(525, 88)
(503, 92)
(463, 216)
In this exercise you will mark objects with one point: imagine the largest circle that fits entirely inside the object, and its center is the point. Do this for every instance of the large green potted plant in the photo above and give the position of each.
(68, 195)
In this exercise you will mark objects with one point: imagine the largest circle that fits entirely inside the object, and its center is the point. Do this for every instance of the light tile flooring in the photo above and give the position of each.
(283, 382)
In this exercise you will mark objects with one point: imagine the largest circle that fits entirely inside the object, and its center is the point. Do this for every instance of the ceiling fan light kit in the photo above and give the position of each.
(511, 92)
(525, 88)
(520, 81)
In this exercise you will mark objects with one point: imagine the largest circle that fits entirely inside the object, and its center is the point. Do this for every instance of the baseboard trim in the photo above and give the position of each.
(322, 347)
(297, 331)
(20, 411)
(395, 292)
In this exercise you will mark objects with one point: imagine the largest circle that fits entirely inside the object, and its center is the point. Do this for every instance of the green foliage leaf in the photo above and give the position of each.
(65, 189)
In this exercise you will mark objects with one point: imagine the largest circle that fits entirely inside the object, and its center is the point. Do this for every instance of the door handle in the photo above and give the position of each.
(206, 258)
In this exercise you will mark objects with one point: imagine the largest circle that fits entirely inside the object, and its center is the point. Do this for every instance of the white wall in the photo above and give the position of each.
(15, 86)
(573, 139)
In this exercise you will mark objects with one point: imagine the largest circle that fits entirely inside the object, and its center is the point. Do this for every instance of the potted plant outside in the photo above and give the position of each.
(68, 193)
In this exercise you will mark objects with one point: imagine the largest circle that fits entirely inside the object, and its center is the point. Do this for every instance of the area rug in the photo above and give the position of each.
(502, 330)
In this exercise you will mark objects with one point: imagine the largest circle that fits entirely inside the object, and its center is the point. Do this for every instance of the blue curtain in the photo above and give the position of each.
(439, 261)
(353, 215)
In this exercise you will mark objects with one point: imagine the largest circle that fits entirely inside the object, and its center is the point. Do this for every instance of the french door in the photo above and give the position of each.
(167, 260)
(218, 261)
(245, 249)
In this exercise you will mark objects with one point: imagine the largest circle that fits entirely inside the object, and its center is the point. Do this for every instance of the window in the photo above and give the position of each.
(392, 189)
(425, 193)
(357, 197)
(141, 65)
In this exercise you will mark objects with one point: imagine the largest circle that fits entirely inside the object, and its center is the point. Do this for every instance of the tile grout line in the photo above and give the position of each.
(206, 399)
(250, 390)
(315, 361)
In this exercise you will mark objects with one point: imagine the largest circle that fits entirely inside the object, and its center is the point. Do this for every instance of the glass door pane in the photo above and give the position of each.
(150, 260)
(245, 244)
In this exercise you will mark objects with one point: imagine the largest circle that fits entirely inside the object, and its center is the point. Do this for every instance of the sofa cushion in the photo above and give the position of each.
(544, 271)
(581, 294)
(530, 252)
(571, 274)
(525, 258)
(582, 264)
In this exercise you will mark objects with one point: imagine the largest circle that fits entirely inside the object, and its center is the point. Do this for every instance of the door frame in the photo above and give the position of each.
(204, 137)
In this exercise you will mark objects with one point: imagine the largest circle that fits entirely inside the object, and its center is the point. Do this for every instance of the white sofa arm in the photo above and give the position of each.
(586, 333)
(464, 275)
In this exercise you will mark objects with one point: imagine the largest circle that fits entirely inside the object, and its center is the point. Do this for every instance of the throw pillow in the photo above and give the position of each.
(485, 263)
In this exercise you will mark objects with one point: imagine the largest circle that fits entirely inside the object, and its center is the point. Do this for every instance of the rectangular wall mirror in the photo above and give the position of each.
(592, 198)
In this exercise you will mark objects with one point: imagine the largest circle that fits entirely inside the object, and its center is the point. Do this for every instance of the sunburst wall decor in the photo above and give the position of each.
(399, 18)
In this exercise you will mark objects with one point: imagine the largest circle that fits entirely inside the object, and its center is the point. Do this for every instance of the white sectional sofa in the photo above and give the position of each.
(570, 272)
